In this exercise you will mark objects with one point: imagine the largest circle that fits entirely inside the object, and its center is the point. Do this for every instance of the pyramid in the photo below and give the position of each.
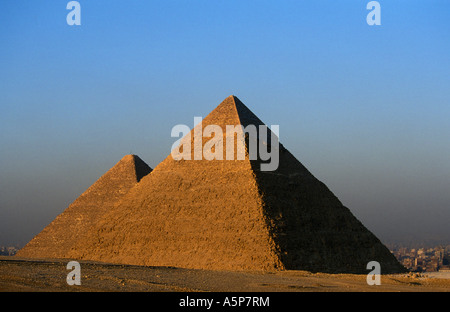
(231, 215)
(57, 239)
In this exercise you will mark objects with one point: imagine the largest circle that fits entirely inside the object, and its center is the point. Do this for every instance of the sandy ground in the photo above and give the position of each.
(30, 275)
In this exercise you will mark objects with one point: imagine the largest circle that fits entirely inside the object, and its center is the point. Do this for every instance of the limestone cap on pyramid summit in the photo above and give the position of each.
(131, 157)
(234, 98)
(141, 168)
(128, 157)
(229, 120)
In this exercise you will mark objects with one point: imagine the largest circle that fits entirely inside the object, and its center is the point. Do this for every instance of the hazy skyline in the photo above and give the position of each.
(364, 108)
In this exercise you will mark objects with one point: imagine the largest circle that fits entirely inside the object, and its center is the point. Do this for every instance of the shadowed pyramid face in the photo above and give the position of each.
(229, 214)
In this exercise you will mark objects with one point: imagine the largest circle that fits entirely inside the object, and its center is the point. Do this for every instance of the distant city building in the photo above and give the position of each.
(8, 251)
(424, 259)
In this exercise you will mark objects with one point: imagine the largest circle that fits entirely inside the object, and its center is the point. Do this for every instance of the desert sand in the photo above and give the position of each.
(46, 275)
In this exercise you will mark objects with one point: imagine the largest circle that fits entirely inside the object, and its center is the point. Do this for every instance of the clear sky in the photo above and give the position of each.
(365, 108)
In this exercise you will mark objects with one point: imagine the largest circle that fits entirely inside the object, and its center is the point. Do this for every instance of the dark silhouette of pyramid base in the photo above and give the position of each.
(229, 215)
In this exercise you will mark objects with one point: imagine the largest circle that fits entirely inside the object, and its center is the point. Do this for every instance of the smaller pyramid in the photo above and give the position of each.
(58, 238)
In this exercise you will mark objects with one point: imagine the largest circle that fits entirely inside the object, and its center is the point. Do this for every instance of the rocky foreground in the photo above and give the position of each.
(31, 275)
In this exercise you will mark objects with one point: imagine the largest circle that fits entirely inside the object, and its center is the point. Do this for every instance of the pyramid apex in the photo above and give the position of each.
(232, 97)
(141, 168)
(231, 100)
(128, 157)
(131, 157)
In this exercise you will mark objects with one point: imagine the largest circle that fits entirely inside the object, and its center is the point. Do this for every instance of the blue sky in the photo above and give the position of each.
(365, 108)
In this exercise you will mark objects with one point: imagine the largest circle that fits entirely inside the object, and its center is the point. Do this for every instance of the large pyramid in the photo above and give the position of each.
(57, 239)
(230, 215)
